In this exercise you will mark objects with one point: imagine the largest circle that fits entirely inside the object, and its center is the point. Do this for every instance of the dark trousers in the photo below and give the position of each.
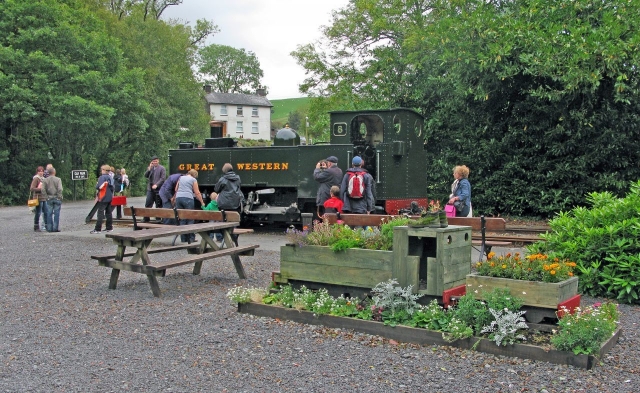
(104, 208)
(152, 197)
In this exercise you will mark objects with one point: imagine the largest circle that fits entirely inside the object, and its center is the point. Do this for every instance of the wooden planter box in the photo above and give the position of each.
(350, 268)
(431, 260)
(428, 337)
(534, 293)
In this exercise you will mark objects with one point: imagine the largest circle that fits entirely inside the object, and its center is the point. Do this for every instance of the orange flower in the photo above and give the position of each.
(552, 272)
(491, 255)
(570, 274)
(492, 264)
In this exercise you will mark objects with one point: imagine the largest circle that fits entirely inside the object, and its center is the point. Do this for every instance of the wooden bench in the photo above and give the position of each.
(481, 224)
(140, 262)
(182, 214)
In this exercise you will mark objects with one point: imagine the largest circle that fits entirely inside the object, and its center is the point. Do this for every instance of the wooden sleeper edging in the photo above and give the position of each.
(429, 337)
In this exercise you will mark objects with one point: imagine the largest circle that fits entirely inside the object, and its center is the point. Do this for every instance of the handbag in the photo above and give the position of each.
(32, 202)
(450, 210)
(119, 201)
(459, 205)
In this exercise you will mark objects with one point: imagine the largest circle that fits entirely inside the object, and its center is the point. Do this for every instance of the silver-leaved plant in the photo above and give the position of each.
(390, 297)
(504, 330)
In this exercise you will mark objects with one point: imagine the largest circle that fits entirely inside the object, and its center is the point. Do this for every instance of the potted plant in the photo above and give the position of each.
(432, 217)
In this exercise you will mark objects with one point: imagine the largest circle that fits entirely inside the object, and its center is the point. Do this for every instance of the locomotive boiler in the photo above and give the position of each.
(278, 183)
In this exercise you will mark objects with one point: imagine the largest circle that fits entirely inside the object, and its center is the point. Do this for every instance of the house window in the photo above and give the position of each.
(254, 127)
(239, 111)
(223, 110)
(254, 111)
(239, 127)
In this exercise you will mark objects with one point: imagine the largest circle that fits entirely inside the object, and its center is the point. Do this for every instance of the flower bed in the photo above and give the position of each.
(429, 337)
(494, 326)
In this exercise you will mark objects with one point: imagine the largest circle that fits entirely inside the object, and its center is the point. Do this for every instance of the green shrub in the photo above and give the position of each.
(602, 240)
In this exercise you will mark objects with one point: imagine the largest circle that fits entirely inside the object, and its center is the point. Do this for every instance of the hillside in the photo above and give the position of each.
(282, 108)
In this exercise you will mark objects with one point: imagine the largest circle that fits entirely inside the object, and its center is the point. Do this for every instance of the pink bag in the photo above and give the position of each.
(450, 210)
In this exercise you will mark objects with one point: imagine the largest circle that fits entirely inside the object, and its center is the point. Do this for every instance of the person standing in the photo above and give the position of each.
(155, 175)
(125, 181)
(105, 194)
(36, 189)
(356, 190)
(230, 195)
(328, 176)
(52, 188)
(461, 191)
(187, 189)
(117, 188)
(334, 204)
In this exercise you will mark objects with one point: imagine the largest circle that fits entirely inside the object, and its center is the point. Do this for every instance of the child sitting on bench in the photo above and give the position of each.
(334, 204)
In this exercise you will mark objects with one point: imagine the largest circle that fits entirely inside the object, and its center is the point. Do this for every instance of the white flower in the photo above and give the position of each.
(524, 293)
(476, 291)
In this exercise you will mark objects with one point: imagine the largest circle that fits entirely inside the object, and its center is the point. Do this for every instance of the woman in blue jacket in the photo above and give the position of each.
(461, 191)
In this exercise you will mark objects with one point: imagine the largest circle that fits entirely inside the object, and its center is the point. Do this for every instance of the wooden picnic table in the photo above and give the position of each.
(140, 261)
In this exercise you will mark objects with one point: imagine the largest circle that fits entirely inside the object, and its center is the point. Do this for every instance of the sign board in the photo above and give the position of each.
(80, 174)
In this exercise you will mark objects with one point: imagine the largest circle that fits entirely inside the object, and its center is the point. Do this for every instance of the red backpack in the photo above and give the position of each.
(355, 187)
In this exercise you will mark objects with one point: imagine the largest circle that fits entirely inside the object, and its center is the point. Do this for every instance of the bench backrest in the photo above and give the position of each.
(184, 214)
(374, 220)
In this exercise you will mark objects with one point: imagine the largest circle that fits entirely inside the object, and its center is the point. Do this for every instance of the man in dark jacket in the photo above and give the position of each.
(230, 196)
(155, 174)
(364, 204)
(105, 194)
(327, 177)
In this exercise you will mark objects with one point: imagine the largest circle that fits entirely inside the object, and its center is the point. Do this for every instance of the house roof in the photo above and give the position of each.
(237, 99)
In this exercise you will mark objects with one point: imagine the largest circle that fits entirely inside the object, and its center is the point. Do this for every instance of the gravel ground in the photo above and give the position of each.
(63, 330)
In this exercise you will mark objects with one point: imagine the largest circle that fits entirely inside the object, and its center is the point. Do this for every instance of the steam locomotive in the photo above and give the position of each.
(278, 183)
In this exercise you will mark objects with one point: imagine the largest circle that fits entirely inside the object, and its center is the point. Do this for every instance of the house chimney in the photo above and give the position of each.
(261, 92)
(207, 89)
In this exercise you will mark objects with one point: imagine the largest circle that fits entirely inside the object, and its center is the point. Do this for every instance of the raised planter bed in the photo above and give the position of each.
(534, 293)
(428, 337)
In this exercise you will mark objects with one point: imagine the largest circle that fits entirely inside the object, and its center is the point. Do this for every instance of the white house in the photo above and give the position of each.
(245, 116)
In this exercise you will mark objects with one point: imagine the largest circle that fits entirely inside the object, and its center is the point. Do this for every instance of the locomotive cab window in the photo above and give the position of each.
(417, 128)
(397, 124)
(368, 129)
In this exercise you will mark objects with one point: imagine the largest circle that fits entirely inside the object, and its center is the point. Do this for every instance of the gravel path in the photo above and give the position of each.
(63, 330)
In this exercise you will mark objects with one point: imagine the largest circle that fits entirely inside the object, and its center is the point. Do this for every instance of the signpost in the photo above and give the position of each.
(79, 174)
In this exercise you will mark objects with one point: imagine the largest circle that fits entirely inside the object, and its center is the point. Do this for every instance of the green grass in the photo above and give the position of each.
(282, 108)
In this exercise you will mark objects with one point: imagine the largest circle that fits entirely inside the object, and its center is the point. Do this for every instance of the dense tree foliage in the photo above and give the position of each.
(229, 70)
(88, 86)
(539, 98)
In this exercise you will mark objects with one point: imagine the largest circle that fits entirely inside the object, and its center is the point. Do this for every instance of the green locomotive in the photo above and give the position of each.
(277, 180)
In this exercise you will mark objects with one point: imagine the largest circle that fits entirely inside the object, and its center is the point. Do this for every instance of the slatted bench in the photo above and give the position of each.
(481, 224)
(182, 214)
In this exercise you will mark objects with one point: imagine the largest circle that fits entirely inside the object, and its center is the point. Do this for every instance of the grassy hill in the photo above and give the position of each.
(282, 108)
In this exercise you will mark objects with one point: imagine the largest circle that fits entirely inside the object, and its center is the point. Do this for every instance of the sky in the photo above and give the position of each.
(272, 29)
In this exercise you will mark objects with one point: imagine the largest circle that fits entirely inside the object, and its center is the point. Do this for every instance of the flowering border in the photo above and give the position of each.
(429, 337)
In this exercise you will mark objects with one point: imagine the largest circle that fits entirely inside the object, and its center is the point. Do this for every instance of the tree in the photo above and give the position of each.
(229, 70)
(538, 97)
(63, 86)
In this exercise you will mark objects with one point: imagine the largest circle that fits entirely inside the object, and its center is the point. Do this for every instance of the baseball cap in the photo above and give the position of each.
(356, 160)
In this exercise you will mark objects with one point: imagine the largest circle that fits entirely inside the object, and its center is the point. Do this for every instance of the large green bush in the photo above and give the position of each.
(603, 240)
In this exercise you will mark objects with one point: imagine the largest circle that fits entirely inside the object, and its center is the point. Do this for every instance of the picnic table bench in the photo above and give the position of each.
(481, 224)
(140, 261)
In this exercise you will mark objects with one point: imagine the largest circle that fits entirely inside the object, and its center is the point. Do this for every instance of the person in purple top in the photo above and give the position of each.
(166, 193)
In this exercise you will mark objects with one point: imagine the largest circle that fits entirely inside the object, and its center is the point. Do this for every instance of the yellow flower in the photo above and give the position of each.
(491, 255)
(492, 264)
(545, 267)
(504, 266)
(552, 272)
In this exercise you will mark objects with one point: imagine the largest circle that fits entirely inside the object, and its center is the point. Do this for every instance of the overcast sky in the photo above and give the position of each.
(270, 28)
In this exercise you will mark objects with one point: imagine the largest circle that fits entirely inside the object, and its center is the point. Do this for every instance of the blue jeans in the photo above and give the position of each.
(185, 203)
(40, 209)
(53, 214)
